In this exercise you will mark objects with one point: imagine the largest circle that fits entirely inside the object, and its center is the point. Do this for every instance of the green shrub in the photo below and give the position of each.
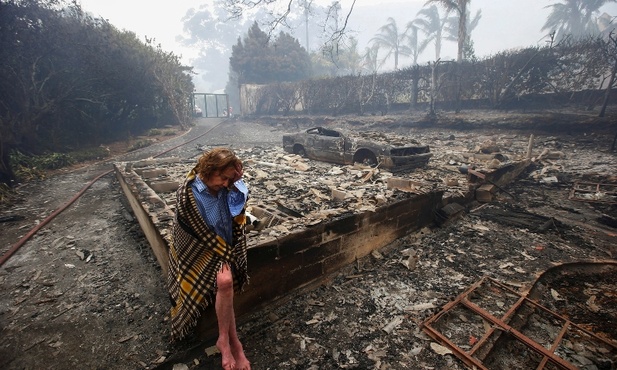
(25, 167)
(155, 132)
(54, 161)
(160, 132)
(140, 144)
(91, 154)
(32, 167)
(6, 193)
(28, 168)
(25, 174)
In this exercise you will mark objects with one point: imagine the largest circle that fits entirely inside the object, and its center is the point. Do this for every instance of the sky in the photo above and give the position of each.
(504, 24)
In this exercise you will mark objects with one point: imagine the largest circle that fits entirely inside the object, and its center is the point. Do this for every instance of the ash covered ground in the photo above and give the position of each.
(87, 292)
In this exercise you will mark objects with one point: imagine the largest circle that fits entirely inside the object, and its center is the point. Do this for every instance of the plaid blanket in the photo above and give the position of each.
(196, 254)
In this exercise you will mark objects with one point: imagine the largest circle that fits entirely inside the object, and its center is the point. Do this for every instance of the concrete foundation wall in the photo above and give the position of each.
(153, 215)
(300, 258)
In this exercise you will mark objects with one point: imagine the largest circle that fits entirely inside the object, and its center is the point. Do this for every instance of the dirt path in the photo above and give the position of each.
(85, 291)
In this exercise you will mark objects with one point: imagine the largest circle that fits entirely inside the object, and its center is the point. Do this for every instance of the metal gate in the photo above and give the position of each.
(211, 105)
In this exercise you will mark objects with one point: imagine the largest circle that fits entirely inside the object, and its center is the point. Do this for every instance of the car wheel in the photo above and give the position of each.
(370, 161)
(366, 158)
(299, 150)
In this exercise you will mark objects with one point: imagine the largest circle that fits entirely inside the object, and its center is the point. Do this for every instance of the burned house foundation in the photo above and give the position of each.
(317, 246)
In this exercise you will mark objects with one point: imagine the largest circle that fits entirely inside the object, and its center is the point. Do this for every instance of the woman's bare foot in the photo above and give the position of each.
(242, 363)
(228, 361)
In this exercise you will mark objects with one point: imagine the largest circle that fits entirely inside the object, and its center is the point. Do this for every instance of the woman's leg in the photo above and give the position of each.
(228, 343)
(224, 315)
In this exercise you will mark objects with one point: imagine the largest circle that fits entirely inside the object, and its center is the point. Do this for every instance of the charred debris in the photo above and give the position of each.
(523, 182)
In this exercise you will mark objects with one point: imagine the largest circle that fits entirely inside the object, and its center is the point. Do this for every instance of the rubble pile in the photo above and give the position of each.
(370, 314)
(310, 191)
(87, 290)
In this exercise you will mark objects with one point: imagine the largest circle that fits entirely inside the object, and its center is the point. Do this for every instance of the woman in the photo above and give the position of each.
(207, 256)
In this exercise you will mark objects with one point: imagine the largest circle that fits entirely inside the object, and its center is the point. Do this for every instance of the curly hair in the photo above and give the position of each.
(216, 159)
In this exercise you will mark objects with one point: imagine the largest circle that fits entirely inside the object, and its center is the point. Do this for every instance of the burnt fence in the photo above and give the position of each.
(570, 73)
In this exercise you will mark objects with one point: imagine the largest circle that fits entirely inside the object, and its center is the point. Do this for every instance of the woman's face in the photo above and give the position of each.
(220, 179)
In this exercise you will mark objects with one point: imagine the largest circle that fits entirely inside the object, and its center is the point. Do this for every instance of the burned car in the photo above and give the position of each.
(369, 148)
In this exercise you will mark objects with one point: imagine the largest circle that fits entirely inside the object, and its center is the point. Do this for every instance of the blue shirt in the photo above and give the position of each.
(218, 210)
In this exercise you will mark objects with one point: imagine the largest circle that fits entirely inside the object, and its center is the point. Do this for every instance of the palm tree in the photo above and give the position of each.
(460, 7)
(371, 61)
(390, 38)
(576, 18)
(349, 58)
(451, 28)
(430, 22)
(411, 36)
